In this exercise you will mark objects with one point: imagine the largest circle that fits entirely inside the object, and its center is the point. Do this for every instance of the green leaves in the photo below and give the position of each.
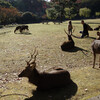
(85, 12)
(70, 13)
(51, 13)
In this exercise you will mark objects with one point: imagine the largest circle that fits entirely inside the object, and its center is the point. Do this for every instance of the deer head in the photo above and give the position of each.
(98, 33)
(69, 35)
(31, 65)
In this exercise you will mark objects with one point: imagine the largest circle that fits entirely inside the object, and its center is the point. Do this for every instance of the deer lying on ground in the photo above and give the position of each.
(45, 80)
(69, 44)
(21, 28)
(96, 49)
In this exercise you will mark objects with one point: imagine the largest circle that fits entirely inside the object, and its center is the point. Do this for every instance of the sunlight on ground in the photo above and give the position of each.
(16, 48)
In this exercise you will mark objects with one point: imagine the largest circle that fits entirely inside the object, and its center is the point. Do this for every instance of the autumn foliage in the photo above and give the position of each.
(8, 15)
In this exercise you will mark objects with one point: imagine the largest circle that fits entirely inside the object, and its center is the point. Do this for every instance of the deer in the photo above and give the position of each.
(59, 77)
(97, 28)
(70, 44)
(96, 49)
(21, 28)
(98, 34)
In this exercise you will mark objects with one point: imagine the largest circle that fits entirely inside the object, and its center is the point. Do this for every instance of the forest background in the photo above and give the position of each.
(35, 11)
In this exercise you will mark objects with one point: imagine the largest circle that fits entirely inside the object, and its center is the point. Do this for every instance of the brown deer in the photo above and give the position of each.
(66, 46)
(45, 80)
(98, 34)
(21, 28)
(97, 28)
(96, 50)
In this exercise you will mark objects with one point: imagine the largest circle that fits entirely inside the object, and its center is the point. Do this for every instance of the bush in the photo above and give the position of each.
(97, 14)
(70, 13)
(51, 13)
(1, 26)
(28, 17)
(8, 15)
(85, 12)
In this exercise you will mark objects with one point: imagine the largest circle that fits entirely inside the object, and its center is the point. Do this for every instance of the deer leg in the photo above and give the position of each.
(14, 30)
(94, 59)
(20, 30)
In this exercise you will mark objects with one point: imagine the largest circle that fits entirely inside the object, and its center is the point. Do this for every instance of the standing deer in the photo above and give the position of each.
(69, 44)
(45, 80)
(21, 28)
(96, 50)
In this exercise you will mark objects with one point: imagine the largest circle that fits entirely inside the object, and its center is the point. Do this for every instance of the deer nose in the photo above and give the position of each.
(19, 75)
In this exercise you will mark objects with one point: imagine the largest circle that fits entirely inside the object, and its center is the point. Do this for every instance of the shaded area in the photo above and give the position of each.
(87, 22)
(92, 38)
(55, 94)
(24, 33)
(75, 49)
(84, 37)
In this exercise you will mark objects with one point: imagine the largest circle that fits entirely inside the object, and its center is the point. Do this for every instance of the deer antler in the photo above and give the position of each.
(32, 54)
(35, 57)
(65, 32)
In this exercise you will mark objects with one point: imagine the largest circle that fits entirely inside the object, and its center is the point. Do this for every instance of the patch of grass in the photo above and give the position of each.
(16, 48)
(88, 82)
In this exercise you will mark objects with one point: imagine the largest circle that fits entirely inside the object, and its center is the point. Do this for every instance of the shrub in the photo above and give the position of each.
(70, 13)
(51, 13)
(8, 15)
(97, 14)
(85, 12)
(29, 17)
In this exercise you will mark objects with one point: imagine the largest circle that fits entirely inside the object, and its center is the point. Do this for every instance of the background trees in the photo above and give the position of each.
(60, 5)
(97, 14)
(28, 17)
(51, 13)
(85, 12)
(8, 14)
(70, 13)
(15, 10)
(35, 6)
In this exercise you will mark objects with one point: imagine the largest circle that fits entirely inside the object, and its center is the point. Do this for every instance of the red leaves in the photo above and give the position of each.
(8, 14)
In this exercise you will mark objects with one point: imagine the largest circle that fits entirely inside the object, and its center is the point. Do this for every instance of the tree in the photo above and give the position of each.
(8, 15)
(35, 6)
(97, 14)
(94, 5)
(62, 4)
(85, 12)
(70, 13)
(51, 13)
(5, 4)
(28, 17)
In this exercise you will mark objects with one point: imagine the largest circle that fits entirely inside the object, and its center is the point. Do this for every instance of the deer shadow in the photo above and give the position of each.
(24, 33)
(84, 37)
(75, 49)
(55, 94)
(92, 38)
